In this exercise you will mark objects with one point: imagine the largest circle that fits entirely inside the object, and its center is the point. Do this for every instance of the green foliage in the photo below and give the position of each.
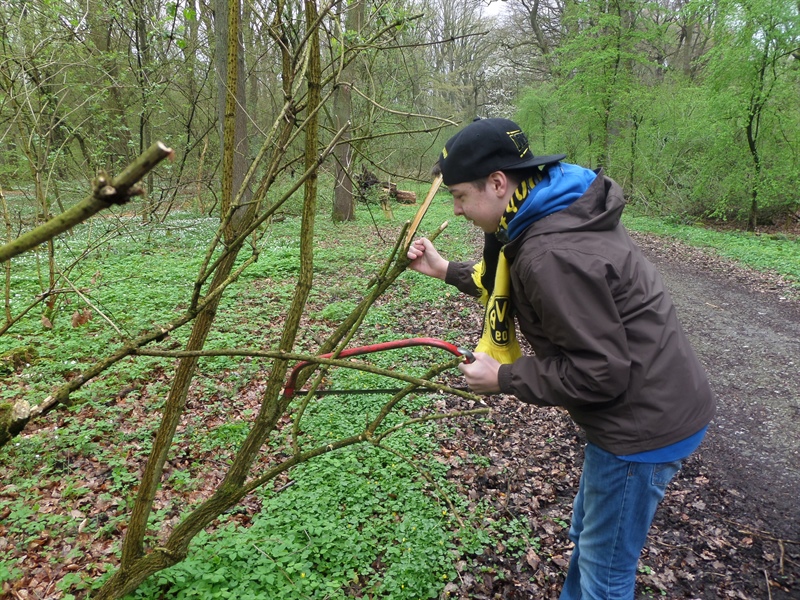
(337, 311)
(350, 522)
(716, 144)
(225, 436)
(515, 535)
(16, 358)
(8, 572)
(753, 77)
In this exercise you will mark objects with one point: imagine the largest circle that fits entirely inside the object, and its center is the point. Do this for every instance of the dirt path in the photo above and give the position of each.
(747, 334)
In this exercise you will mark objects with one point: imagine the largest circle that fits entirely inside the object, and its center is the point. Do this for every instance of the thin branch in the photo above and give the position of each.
(319, 360)
(399, 112)
(452, 38)
(434, 417)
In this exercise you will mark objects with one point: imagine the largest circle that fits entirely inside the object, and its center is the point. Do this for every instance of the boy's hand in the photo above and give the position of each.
(426, 260)
(481, 375)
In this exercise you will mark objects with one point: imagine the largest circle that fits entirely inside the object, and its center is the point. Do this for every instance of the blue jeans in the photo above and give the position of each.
(611, 516)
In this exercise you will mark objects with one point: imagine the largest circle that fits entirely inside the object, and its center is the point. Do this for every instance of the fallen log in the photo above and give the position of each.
(406, 197)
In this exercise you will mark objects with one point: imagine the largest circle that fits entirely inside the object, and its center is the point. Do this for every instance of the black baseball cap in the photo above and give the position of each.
(485, 146)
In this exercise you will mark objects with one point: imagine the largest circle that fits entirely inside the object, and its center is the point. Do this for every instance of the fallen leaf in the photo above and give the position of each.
(81, 317)
(532, 558)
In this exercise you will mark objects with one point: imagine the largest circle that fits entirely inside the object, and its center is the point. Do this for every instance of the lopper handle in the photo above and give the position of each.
(289, 390)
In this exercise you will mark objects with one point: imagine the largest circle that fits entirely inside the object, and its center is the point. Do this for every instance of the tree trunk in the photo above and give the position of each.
(7, 264)
(235, 107)
(533, 19)
(406, 197)
(344, 204)
(752, 216)
(130, 573)
(143, 77)
(99, 22)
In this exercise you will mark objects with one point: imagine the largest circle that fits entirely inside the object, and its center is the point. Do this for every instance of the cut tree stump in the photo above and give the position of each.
(386, 205)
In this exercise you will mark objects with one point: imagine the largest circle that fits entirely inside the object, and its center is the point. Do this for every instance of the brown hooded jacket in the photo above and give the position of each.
(608, 345)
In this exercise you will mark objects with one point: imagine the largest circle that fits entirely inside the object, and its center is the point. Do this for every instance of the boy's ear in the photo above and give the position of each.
(498, 182)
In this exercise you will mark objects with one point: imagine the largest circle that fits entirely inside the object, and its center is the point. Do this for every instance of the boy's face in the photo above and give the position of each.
(483, 207)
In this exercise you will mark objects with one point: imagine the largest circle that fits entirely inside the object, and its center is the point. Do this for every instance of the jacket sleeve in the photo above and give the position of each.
(583, 358)
(463, 276)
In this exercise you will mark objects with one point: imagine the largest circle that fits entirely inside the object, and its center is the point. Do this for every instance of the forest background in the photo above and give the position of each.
(275, 113)
(691, 105)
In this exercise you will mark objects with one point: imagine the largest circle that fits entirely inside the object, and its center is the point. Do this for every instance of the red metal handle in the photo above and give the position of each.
(289, 390)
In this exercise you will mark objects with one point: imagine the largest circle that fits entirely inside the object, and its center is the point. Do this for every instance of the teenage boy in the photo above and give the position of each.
(607, 343)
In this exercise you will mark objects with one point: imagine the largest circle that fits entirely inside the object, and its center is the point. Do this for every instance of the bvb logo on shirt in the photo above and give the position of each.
(498, 321)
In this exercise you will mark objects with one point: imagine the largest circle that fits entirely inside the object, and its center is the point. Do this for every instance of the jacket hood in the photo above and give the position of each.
(561, 185)
(598, 209)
